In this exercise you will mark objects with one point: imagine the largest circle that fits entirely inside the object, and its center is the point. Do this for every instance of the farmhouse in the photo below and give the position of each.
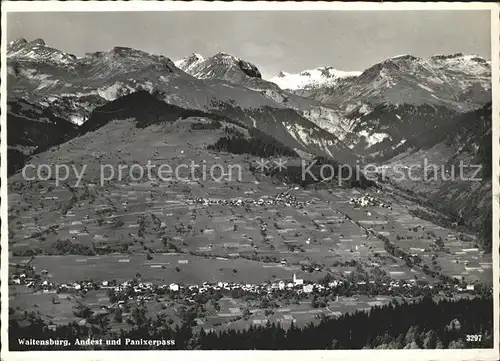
(308, 288)
(173, 287)
(471, 250)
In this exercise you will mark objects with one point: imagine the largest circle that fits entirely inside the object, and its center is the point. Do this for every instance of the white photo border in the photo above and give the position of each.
(136, 6)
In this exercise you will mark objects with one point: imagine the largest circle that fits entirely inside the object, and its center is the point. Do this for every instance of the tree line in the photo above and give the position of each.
(257, 143)
(424, 324)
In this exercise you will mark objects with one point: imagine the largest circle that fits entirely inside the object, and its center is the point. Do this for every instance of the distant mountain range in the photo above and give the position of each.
(419, 93)
(322, 111)
(305, 80)
(461, 82)
(72, 87)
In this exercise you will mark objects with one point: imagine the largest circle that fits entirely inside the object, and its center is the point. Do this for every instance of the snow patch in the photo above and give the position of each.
(374, 138)
(189, 63)
(46, 83)
(425, 88)
(403, 141)
(77, 119)
(115, 91)
(365, 109)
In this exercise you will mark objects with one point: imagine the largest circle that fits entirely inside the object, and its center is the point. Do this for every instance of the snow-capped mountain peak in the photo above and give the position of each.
(190, 62)
(222, 66)
(319, 77)
(403, 56)
(224, 54)
(198, 56)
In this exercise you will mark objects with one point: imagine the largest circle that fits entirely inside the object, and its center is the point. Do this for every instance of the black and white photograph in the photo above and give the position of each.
(221, 176)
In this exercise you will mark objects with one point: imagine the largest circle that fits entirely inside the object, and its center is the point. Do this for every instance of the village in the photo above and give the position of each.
(368, 200)
(147, 291)
(284, 198)
(216, 305)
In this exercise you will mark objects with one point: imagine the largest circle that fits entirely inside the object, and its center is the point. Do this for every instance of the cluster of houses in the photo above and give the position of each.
(49, 286)
(145, 291)
(367, 201)
(284, 198)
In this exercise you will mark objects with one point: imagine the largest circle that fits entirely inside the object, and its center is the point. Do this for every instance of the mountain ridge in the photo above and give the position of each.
(225, 83)
(439, 80)
(221, 65)
(311, 78)
(73, 90)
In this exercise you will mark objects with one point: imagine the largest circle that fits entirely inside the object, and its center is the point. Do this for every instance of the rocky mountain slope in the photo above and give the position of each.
(451, 170)
(220, 66)
(373, 113)
(236, 71)
(387, 129)
(447, 80)
(33, 128)
(359, 109)
(404, 97)
(407, 111)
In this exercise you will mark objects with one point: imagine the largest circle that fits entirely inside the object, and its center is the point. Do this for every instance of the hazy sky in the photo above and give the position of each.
(272, 40)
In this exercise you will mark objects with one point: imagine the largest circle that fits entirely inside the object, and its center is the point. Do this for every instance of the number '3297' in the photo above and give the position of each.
(473, 338)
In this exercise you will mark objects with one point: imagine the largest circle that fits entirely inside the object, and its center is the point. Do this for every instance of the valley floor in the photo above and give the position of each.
(162, 233)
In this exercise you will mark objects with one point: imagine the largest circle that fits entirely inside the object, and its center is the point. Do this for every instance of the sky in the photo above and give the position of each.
(273, 40)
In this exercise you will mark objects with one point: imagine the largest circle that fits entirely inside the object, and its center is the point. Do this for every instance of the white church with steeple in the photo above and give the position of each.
(297, 281)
